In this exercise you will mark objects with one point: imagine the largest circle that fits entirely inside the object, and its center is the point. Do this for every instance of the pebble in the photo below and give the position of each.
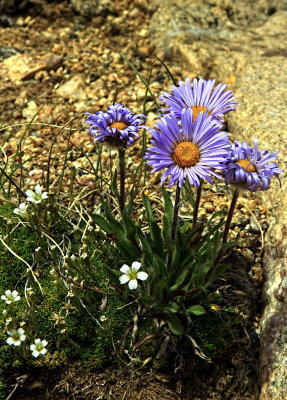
(248, 254)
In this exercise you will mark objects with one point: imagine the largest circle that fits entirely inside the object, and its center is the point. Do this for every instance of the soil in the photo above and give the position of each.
(87, 53)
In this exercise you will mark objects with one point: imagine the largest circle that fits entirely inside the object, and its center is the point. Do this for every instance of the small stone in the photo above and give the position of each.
(248, 254)
(256, 274)
(73, 89)
(30, 111)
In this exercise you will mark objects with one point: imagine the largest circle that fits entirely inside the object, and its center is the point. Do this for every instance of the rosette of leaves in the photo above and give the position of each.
(178, 271)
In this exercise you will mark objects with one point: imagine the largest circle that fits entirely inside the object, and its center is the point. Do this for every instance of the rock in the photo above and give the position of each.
(22, 67)
(243, 43)
(91, 8)
(74, 89)
(30, 111)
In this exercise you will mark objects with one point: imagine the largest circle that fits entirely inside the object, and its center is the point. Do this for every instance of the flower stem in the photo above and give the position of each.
(122, 178)
(225, 235)
(197, 201)
(175, 213)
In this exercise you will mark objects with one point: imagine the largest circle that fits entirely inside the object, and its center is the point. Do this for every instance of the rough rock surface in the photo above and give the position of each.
(243, 43)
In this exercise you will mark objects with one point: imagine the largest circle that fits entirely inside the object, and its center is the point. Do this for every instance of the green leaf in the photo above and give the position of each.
(147, 250)
(157, 238)
(168, 308)
(117, 227)
(166, 233)
(102, 223)
(131, 228)
(196, 310)
(174, 324)
(171, 308)
(216, 214)
(128, 250)
(150, 217)
(218, 272)
(180, 279)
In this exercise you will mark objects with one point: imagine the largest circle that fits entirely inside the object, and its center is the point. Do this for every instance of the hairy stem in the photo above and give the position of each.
(122, 178)
(225, 235)
(196, 207)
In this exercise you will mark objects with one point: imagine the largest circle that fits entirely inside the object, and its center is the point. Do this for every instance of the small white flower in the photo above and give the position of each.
(16, 337)
(103, 318)
(22, 210)
(38, 347)
(10, 297)
(131, 275)
(37, 196)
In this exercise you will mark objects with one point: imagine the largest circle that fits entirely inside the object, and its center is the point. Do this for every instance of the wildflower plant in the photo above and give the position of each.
(36, 196)
(16, 337)
(39, 347)
(148, 261)
(10, 297)
(132, 274)
(189, 145)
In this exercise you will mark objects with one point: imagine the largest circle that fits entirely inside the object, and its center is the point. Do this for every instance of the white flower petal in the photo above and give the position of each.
(35, 353)
(20, 331)
(10, 341)
(37, 341)
(43, 351)
(31, 199)
(133, 284)
(3, 297)
(32, 347)
(8, 293)
(124, 279)
(136, 265)
(30, 193)
(142, 276)
(125, 268)
(14, 293)
(38, 189)
(44, 343)
(17, 343)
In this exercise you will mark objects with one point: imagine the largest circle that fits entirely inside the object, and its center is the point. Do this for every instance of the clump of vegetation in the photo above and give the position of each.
(118, 281)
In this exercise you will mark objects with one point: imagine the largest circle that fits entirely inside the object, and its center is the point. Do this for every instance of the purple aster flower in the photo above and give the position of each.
(201, 97)
(249, 168)
(187, 149)
(116, 127)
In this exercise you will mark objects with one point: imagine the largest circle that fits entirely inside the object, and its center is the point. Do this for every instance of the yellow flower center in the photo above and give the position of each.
(118, 125)
(196, 110)
(246, 165)
(186, 154)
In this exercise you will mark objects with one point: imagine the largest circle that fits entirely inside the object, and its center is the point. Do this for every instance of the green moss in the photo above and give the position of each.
(213, 329)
